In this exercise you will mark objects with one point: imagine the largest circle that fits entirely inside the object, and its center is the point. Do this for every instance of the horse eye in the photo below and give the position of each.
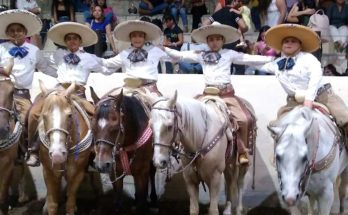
(170, 127)
(278, 158)
(304, 159)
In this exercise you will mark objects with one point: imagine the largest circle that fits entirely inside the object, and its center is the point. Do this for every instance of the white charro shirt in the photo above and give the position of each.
(24, 68)
(306, 75)
(147, 69)
(68, 73)
(219, 73)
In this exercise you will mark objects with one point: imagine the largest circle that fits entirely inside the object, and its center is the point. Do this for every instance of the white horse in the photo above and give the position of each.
(308, 159)
(205, 135)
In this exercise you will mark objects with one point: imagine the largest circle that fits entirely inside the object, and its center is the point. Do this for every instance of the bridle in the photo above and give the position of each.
(176, 130)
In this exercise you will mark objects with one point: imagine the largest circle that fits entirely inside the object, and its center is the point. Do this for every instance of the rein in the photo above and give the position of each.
(17, 131)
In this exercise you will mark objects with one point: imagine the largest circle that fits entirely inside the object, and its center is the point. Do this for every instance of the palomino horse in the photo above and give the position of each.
(10, 132)
(308, 159)
(123, 145)
(66, 138)
(203, 130)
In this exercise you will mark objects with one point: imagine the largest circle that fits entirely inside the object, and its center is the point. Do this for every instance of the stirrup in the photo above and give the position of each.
(33, 160)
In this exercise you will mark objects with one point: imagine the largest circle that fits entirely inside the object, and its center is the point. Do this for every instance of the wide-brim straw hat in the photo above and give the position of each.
(229, 33)
(30, 21)
(310, 40)
(58, 32)
(123, 30)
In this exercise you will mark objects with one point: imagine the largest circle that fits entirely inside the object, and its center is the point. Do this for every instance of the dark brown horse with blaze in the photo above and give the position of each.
(10, 132)
(123, 145)
(65, 134)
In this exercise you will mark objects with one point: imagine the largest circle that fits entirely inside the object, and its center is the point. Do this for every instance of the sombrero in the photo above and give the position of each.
(30, 21)
(229, 33)
(310, 40)
(58, 32)
(123, 30)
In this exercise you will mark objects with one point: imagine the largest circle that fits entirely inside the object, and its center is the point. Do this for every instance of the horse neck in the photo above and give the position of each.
(192, 122)
(135, 122)
(78, 126)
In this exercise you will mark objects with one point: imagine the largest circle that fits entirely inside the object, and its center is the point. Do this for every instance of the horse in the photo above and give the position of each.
(66, 139)
(202, 127)
(309, 159)
(10, 134)
(123, 145)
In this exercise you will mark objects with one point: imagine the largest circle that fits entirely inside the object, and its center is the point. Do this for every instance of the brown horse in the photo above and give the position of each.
(10, 133)
(65, 134)
(123, 145)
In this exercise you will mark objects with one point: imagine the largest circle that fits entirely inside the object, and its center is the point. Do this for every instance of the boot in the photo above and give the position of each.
(243, 159)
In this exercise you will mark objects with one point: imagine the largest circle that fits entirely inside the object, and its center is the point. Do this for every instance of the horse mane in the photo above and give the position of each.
(132, 107)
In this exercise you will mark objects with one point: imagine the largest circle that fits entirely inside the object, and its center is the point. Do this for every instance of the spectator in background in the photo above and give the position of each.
(301, 11)
(173, 37)
(330, 70)
(62, 11)
(325, 4)
(102, 27)
(191, 67)
(219, 5)
(198, 9)
(152, 7)
(177, 8)
(261, 48)
(108, 12)
(272, 12)
(338, 18)
(290, 4)
(255, 15)
(239, 7)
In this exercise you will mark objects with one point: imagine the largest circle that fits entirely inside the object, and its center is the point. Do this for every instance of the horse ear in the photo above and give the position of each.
(307, 114)
(94, 95)
(43, 87)
(276, 130)
(119, 99)
(172, 101)
(70, 89)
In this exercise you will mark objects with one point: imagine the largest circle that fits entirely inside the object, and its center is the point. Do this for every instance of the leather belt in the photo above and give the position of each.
(23, 93)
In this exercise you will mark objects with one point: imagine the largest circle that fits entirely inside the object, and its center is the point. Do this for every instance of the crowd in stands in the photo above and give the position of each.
(247, 16)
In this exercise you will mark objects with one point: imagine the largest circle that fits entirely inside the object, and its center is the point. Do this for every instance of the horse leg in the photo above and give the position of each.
(153, 194)
(228, 187)
(311, 205)
(240, 186)
(192, 186)
(326, 200)
(214, 188)
(53, 190)
(118, 191)
(342, 189)
(141, 182)
(74, 181)
(6, 174)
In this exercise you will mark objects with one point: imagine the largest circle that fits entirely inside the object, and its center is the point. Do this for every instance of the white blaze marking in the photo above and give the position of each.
(55, 137)
(102, 123)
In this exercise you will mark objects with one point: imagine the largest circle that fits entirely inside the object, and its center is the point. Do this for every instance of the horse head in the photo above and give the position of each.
(107, 129)
(56, 120)
(165, 127)
(6, 101)
(292, 152)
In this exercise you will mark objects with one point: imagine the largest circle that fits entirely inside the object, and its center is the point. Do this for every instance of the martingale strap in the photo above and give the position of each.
(214, 141)
(140, 142)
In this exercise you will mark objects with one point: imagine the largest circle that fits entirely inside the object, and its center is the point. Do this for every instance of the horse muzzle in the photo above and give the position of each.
(58, 157)
(103, 167)
(290, 201)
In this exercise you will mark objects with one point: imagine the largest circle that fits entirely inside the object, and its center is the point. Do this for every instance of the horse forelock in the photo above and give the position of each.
(55, 99)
